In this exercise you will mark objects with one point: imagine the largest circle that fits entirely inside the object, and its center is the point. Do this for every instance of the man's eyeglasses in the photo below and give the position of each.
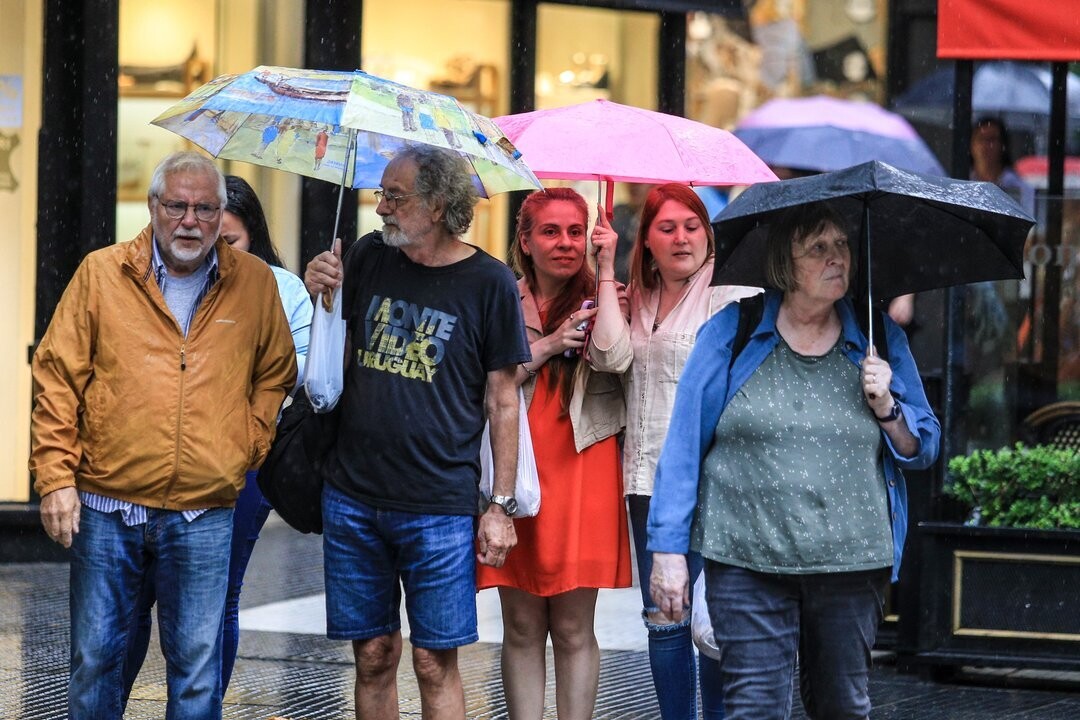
(204, 212)
(391, 199)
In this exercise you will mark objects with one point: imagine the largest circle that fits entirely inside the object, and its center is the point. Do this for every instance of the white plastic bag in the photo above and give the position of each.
(700, 624)
(324, 371)
(527, 488)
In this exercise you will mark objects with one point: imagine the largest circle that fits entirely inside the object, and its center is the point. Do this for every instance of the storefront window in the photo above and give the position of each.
(783, 48)
(1010, 367)
(458, 49)
(157, 68)
(20, 119)
(588, 53)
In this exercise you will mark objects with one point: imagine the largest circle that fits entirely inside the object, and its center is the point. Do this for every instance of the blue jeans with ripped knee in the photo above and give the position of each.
(671, 647)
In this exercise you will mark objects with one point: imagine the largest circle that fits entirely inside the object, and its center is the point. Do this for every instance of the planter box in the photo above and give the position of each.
(999, 596)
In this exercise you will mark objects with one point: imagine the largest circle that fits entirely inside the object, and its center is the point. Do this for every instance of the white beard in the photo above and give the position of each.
(186, 254)
(394, 237)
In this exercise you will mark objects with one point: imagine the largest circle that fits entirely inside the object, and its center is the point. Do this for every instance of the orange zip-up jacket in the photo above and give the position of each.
(125, 406)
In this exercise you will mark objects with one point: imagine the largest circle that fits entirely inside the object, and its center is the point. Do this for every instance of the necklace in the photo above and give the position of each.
(659, 299)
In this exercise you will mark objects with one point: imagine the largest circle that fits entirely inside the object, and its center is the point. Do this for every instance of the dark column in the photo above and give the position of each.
(953, 438)
(522, 56)
(671, 65)
(1051, 290)
(77, 144)
(331, 42)
(522, 53)
(76, 190)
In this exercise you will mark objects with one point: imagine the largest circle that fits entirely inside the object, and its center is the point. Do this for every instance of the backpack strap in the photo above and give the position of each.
(750, 312)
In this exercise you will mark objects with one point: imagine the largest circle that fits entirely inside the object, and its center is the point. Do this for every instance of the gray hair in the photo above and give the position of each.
(444, 175)
(185, 161)
(795, 225)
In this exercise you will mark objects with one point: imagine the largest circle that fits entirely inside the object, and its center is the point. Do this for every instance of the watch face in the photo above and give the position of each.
(511, 506)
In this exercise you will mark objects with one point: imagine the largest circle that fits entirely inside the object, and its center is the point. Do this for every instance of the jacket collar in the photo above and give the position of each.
(139, 258)
(529, 309)
(850, 332)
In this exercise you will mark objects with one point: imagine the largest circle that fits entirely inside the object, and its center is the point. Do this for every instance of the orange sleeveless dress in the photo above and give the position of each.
(580, 538)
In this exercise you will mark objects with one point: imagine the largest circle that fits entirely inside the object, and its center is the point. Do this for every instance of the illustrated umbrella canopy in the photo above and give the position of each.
(823, 133)
(342, 127)
(603, 140)
(916, 232)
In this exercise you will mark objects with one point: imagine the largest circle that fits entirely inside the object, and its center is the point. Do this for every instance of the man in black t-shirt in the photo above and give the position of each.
(435, 337)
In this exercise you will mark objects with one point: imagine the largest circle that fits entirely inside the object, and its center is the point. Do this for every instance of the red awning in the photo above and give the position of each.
(1046, 30)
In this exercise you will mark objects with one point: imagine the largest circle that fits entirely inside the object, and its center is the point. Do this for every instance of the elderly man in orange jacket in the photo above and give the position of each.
(156, 387)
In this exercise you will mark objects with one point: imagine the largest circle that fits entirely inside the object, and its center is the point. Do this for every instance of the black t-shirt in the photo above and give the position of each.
(422, 342)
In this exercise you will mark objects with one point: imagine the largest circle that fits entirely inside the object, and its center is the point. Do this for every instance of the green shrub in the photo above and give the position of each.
(1036, 487)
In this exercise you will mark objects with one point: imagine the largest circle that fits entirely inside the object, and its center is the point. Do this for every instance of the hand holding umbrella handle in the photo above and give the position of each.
(876, 380)
(328, 296)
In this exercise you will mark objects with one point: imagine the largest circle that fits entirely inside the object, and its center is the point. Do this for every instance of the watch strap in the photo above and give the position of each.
(894, 414)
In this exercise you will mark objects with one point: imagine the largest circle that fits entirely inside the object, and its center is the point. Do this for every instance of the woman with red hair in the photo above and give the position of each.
(578, 542)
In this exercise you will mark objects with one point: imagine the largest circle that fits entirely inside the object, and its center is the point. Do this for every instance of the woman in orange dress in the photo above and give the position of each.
(579, 540)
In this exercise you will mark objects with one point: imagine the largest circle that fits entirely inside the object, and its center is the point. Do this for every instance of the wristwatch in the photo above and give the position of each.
(507, 502)
(893, 414)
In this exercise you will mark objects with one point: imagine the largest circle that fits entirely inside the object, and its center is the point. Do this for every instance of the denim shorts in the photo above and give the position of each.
(370, 554)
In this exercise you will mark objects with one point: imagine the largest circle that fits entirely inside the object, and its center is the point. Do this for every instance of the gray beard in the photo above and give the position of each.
(185, 255)
(394, 237)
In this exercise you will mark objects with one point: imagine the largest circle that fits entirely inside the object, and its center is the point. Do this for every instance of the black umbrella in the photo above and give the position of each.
(916, 232)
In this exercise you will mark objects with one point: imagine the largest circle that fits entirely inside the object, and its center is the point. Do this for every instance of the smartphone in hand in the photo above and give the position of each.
(583, 325)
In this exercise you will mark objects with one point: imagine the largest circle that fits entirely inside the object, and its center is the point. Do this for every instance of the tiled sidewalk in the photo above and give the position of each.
(289, 670)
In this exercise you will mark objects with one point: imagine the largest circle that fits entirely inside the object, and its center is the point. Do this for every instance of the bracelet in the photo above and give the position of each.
(531, 373)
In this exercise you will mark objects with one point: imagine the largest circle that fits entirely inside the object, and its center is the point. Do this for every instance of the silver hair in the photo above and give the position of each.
(185, 161)
(444, 175)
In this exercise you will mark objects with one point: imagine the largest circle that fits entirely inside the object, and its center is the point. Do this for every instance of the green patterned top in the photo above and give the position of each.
(793, 481)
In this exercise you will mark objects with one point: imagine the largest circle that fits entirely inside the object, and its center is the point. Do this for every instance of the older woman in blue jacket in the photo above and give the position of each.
(782, 467)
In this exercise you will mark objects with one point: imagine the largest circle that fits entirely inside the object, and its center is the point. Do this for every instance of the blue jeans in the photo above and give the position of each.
(764, 622)
(187, 566)
(249, 516)
(369, 554)
(671, 647)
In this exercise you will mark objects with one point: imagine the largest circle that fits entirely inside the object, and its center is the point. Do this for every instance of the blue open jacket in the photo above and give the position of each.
(710, 380)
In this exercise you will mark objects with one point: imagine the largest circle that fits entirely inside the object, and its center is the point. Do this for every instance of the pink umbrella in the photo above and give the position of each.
(602, 140)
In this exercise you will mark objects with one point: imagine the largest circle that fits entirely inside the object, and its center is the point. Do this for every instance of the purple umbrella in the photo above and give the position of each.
(824, 134)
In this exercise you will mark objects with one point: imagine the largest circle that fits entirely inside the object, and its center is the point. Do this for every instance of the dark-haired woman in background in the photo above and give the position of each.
(991, 161)
(244, 228)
